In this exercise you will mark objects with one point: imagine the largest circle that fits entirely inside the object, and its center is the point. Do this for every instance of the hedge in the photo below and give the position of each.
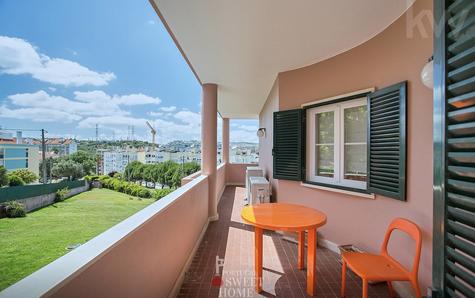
(130, 188)
(13, 193)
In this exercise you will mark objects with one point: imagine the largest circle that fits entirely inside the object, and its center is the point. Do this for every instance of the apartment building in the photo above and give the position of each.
(19, 156)
(115, 161)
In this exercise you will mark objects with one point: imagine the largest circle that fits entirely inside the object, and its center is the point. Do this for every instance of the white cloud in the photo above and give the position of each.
(111, 121)
(155, 114)
(167, 130)
(151, 22)
(168, 109)
(250, 128)
(19, 57)
(188, 117)
(38, 115)
(126, 100)
(96, 106)
(42, 99)
(239, 135)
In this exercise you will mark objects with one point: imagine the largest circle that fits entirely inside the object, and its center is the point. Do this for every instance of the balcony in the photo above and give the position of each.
(170, 248)
(309, 58)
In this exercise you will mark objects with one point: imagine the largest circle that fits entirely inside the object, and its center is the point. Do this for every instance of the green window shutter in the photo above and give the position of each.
(454, 148)
(387, 141)
(288, 144)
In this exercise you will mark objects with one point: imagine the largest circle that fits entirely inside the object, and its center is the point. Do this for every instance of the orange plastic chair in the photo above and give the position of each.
(383, 267)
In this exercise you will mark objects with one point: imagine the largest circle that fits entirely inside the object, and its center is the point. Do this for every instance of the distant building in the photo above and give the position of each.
(60, 146)
(115, 161)
(15, 155)
(150, 157)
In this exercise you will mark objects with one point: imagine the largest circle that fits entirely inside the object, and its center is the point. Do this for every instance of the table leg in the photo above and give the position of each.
(311, 262)
(301, 256)
(258, 258)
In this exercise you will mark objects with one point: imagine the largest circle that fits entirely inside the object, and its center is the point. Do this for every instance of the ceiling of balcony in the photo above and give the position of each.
(242, 45)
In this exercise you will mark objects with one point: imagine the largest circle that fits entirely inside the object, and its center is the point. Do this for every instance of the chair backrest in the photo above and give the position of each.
(412, 230)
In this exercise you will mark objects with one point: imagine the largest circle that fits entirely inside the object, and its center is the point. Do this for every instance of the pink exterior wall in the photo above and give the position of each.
(209, 145)
(266, 117)
(148, 261)
(220, 180)
(236, 173)
(388, 58)
(190, 178)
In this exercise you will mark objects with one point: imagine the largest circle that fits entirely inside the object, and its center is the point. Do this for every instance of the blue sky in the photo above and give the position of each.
(67, 65)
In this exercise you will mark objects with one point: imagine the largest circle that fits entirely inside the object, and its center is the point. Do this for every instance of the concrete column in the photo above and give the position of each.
(225, 139)
(209, 133)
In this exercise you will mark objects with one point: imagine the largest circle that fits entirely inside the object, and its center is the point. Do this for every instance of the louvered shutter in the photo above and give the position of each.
(454, 137)
(288, 144)
(387, 141)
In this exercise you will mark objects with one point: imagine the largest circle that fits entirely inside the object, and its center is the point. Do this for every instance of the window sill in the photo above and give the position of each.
(338, 190)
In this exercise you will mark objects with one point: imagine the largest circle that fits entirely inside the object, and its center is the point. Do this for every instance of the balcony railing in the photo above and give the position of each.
(145, 255)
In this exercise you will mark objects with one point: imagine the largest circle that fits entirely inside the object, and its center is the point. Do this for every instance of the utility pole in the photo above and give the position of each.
(43, 155)
(97, 132)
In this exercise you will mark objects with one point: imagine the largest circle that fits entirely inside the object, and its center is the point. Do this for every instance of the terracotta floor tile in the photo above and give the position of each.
(233, 241)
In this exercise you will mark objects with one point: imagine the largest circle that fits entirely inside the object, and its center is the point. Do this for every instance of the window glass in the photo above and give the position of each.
(337, 143)
(324, 146)
(355, 153)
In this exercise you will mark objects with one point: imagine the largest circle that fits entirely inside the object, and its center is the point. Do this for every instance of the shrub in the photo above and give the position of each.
(160, 193)
(15, 209)
(125, 187)
(3, 176)
(90, 178)
(26, 175)
(144, 193)
(61, 194)
(14, 180)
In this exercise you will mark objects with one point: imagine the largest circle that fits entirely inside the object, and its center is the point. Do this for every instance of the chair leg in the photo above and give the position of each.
(365, 288)
(415, 286)
(343, 278)
(391, 290)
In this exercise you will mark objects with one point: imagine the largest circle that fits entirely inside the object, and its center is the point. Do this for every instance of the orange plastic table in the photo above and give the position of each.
(291, 218)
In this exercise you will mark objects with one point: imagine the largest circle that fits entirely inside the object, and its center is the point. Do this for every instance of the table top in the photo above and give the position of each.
(283, 217)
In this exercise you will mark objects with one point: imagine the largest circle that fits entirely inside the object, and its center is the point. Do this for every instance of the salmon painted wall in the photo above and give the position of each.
(396, 54)
(265, 143)
(236, 173)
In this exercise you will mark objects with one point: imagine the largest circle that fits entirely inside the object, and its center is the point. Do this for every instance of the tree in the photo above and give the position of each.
(87, 160)
(170, 173)
(3, 176)
(14, 180)
(49, 161)
(68, 168)
(129, 170)
(190, 168)
(26, 175)
(137, 173)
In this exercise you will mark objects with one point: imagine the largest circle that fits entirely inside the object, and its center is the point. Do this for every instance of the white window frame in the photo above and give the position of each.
(338, 147)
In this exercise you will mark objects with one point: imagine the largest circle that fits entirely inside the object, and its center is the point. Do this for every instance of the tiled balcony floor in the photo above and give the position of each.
(230, 239)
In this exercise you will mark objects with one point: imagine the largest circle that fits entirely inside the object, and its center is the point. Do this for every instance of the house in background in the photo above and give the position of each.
(59, 146)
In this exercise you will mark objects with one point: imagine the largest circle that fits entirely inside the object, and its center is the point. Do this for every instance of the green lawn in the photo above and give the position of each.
(29, 243)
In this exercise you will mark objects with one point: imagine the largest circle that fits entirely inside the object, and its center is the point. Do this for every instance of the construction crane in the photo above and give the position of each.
(152, 131)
